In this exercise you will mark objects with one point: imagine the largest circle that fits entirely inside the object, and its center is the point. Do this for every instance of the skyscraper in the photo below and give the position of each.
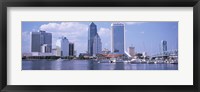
(46, 39)
(117, 38)
(92, 32)
(97, 45)
(71, 49)
(163, 46)
(62, 47)
(40, 38)
(35, 42)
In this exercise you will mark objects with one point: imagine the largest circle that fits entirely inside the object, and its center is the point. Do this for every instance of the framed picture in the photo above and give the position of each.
(128, 45)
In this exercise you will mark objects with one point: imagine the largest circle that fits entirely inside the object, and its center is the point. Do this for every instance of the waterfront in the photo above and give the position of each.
(91, 65)
(141, 48)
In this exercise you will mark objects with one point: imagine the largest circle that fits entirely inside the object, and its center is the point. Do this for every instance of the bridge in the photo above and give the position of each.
(166, 54)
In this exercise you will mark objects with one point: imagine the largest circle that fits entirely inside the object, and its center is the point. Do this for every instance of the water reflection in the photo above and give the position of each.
(91, 65)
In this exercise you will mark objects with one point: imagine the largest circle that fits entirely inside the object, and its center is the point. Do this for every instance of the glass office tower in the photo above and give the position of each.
(117, 38)
(97, 45)
(163, 46)
(71, 49)
(92, 32)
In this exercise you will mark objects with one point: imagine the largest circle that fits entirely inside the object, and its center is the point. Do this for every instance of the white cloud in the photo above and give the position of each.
(104, 32)
(105, 35)
(75, 32)
(69, 28)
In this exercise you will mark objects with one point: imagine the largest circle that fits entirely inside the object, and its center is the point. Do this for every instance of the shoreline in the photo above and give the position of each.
(97, 61)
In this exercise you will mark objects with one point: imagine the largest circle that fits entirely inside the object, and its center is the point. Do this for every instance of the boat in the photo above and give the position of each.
(104, 61)
(152, 62)
(174, 62)
(135, 61)
(113, 60)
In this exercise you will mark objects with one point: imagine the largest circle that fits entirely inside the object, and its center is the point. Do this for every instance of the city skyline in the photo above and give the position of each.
(136, 34)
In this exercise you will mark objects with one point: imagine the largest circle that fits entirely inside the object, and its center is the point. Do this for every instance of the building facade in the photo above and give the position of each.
(97, 45)
(92, 32)
(71, 49)
(131, 51)
(62, 47)
(54, 51)
(105, 51)
(45, 48)
(163, 46)
(38, 39)
(117, 38)
(35, 42)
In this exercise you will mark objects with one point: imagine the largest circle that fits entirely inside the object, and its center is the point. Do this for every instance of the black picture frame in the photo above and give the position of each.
(99, 3)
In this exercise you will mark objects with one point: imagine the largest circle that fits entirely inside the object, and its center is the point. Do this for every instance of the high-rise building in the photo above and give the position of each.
(117, 38)
(97, 45)
(92, 32)
(75, 53)
(131, 51)
(62, 47)
(163, 46)
(71, 49)
(40, 38)
(35, 42)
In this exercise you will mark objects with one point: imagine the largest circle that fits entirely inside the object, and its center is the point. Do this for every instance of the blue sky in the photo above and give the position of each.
(144, 36)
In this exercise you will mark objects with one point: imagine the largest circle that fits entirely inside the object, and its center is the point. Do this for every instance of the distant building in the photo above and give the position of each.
(54, 51)
(46, 39)
(45, 48)
(62, 47)
(92, 32)
(84, 55)
(37, 54)
(117, 38)
(26, 54)
(97, 45)
(71, 49)
(75, 53)
(131, 51)
(105, 51)
(40, 38)
(35, 42)
(163, 46)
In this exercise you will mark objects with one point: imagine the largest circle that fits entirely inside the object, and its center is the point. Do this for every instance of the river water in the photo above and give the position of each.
(91, 65)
